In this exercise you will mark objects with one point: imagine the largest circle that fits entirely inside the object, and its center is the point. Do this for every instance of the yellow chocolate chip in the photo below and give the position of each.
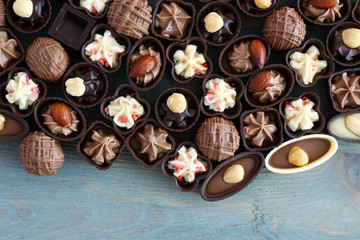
(263, 4)
(298, 157)
(176, 103)
(213, 22)
(351, 37)
(234, 174)
(2, 122)
(23, 8)
(75, 86)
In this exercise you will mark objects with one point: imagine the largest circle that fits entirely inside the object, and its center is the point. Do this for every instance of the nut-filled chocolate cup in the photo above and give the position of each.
(100, 145)
(268, 86)
(60, 119)
(256, 50)
(123, 40)
(29, 21)
(216, 91)
(345, 127)
(292, 107)
(9, 93)
(14, 46)
(257, 8)
(232, 176)
(188, 182)
(181, 48)
(324, 13)
(12, 127)
(94, 13)
(150, 144)
(146, 63)
(261, 130)
(177, 109)
(125, 101)
(173, 20)
(85, 85)
(218, 23)
(355, 13)
(309, 65)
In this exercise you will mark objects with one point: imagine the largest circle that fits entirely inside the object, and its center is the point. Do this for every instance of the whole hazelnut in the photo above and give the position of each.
(234, 174)
(23, 8)
(213, 22)
(2, 122)
(176, 103)
(351, 37)
(75, 86)
(298, 157)
(263, 4)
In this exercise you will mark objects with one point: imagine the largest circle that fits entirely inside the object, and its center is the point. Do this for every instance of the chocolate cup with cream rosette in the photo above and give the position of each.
(123, 91)
(88, 73)
(187, 7)
(201, 48)
(76, 4)
(318, 125)
(345, 130)
(322, 56)
(15, 127)
(134, 145)
(335, 45)
(157, 46)
(224, 61)
(289, 79)
(39, 18)
(231, 27)
(355, 13)
(95, 126)
(274, 117)
(229, 113)
(120, 38)
(13, 106)
(215, 188)
(14, 62)
(183, 185)
(251, 9)
(192, 109)
(345, 11)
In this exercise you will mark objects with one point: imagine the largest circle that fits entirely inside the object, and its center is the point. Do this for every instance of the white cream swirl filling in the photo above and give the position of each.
(189, 62)
(96, 7)
(220, 95)
(300, 114)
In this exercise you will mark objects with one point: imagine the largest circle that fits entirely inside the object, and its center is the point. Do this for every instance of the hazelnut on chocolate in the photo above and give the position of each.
(2, 122)
(263, 4)
(23, 8)
(213, 22)
(176, 103)
(298, 157)
(351, 37)
(234, 174)
(75, 86)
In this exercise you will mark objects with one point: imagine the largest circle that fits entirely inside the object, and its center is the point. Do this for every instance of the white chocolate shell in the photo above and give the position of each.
(336, 127)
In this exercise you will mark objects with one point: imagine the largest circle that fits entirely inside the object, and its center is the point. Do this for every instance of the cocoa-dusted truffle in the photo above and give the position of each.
(40, 154)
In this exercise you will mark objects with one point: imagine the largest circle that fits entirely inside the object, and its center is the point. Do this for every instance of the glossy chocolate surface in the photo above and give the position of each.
(249, 8)
(15, 127)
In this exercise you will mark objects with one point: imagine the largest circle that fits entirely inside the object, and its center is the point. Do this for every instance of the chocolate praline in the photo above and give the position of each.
(249, 8)
(76, 4)
(15, 128)
(14, 62)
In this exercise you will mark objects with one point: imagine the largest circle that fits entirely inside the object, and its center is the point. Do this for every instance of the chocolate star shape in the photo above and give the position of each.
(346, 90)
(8, 50)
(331, 14)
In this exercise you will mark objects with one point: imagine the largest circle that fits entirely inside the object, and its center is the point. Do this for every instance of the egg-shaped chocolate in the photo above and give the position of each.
(12, 127)
(345, 127)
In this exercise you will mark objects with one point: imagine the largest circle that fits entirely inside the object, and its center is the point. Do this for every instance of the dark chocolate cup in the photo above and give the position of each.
(87, 136)
(356, 14)
(185, 92)
(336, 136)
(182, 185)
(200, 26)
(188, 7)
(124, 90)
(202, 48)
(134, 146)
(13, 106)
(157, 46)
(76, 4)
(329, 40)
(43, 105)
(275, 117)
(14, 62)
(85, 65)
(289, 77)
(318, 125)
(228, 113)
(224, 62)
(256, 12)
(21, 121)
(259, 158)
(11, 17)
(345, 12)
(323, 56)
(122, 39)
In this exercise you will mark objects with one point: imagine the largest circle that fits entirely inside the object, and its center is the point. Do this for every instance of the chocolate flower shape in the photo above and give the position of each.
(11, 51)
(249, 8)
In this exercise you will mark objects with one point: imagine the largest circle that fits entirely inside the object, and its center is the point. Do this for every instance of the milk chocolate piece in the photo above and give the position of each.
(2, 14)
(9, 50)
(249, 8)
(14, 127)
(338, 128)
(55, 127)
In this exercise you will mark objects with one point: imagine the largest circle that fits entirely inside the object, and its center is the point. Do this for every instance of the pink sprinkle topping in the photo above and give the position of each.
(134, 106)
(211, 99)
(210, 91)
(106, 109)
(123, 119)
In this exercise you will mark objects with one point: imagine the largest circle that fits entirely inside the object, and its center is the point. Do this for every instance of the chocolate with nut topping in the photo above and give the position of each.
(325, 13)
(38, 17)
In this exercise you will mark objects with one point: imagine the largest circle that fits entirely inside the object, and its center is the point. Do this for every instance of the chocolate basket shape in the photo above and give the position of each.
(323, 56)
(192, 110)
(338, 128)
(355, 13)
(81, 145)
(14, 62)
(263, 130)
(231, 27)
(90, 71)
(249, 8)
(344, 11)
(156, 45)
(318, 125)
(42, 93)
(335, 45)
(182, 184)
(15, 127)
(38, 20)
(187, 7)
(134, 146)
(229, 113)
(288, 76)
(122, 39)
(76, 4)
(224, 61)
(214, 188)
(125, 90)
(44, 104)
(201, 48)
